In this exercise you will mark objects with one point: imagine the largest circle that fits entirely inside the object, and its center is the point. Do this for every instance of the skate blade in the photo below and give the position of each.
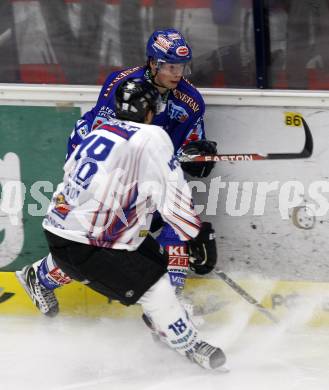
(21, 279)
(223, 369)
(22, 282)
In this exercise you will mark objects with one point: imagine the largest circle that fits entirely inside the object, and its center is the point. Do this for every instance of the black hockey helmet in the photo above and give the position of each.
(134, 98)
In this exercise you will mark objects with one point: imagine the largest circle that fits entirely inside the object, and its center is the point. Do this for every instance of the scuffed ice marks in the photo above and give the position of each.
(119, 354)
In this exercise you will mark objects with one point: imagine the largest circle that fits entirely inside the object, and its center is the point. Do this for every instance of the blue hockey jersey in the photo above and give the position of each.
(181, 114)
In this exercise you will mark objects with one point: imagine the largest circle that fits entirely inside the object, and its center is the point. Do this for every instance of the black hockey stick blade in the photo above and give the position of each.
(305, 153)
(238, 289)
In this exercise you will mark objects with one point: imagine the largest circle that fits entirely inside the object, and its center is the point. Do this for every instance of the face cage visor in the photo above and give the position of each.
(170, 69)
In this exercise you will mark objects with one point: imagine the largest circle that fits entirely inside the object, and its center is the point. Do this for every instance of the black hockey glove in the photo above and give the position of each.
(203, 147)
(202, 250)
(157, 222)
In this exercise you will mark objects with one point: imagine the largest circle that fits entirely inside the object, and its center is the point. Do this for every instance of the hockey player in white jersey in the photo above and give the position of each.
(181, 116)
(98, 220)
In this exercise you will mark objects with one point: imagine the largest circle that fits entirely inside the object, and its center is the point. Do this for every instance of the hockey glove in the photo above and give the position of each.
(157, 222)
(202, 147)
(202, 250)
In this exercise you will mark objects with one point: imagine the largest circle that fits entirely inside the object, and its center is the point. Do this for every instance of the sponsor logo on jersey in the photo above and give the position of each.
(176, 250)
(59, 277)
(177, 278)
(176, 112)
(50, 221)
(162, 43)
(186, 99)
(105, 112)
(61, 208)
(178, 261)
(182, 51)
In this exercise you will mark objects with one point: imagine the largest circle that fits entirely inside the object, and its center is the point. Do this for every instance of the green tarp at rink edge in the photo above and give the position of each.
(32, 153)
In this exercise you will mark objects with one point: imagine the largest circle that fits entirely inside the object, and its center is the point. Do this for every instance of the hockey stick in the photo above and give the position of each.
(305, 153)
(238, 289)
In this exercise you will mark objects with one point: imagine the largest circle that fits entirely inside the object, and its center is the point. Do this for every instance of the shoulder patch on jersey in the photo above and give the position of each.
(119, 77)
(188, 82)
(83, 131)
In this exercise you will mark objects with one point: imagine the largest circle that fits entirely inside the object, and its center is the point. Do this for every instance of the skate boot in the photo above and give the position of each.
(206, 356)
(43, 298)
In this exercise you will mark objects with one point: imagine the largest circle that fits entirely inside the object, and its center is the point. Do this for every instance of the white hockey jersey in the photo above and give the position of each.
(114, 181)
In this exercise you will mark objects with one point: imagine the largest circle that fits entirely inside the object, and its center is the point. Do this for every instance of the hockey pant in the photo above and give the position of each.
(118, 274)
(51, 276)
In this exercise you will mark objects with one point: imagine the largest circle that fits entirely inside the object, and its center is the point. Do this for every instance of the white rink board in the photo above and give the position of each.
(270, 244)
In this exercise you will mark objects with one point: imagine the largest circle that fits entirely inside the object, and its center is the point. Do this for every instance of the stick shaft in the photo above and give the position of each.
(239, 290)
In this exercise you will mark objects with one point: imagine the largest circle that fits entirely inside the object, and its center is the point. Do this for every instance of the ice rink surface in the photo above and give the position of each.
(119, 354)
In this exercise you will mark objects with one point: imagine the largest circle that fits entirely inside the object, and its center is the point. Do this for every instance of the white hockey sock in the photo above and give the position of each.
(168, 316)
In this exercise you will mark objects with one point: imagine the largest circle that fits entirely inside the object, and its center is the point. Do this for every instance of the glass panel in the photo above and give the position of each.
(81, 41)
(299, 33)
(225, 55)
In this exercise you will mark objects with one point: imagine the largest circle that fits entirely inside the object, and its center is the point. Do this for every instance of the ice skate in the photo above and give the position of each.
(207, 356)
(44, 299)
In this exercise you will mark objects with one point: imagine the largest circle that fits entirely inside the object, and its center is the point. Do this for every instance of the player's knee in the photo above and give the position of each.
(161, 293)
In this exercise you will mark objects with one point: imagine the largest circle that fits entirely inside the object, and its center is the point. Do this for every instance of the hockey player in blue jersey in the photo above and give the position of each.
(182, 106)
(180, 114)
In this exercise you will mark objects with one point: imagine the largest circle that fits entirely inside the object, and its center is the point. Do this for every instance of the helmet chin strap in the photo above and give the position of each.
(157, 84)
